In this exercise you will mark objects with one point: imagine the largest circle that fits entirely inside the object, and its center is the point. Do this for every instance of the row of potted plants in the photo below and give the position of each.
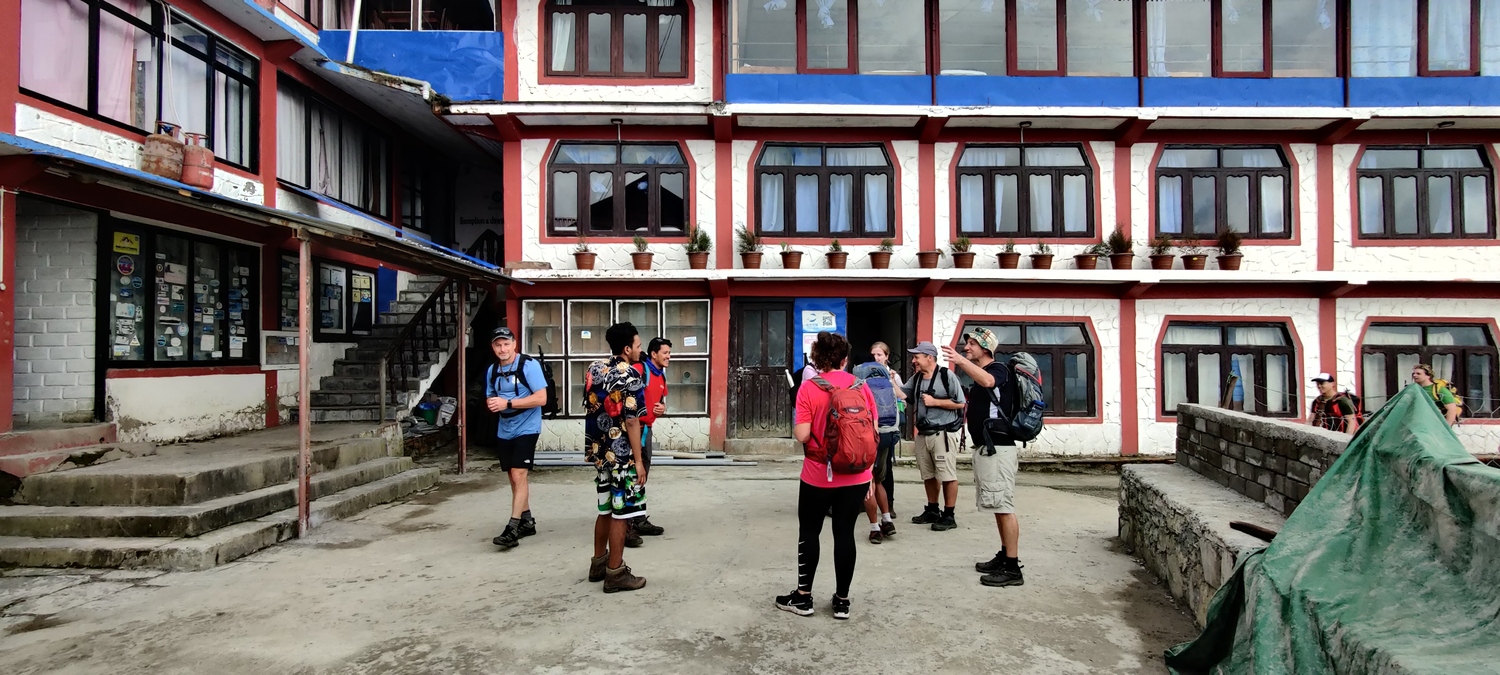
(1118, 248)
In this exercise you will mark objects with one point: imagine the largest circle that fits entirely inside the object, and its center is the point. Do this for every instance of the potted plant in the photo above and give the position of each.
(1229, 250)
(928, 260)
(880, 258)
(749, 245)
(837, 256)
(1042, 259)
(790, 259)
(1193, 255)
(963, 257)
(1009, 258)
(583, 258)
(641, 257)
(1121, 252)
(698, 245)
(1089, 259)
(1162, 257)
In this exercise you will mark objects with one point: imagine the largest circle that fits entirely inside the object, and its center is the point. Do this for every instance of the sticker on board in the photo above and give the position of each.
(126, 266)
(126, 242)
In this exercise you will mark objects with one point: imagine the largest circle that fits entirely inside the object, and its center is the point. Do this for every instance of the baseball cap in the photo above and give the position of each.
(984, 336)
(1323, 377)
(924, 348)
(502, 333)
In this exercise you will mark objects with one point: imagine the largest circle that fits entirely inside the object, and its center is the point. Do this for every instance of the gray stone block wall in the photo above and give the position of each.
(55, 284)
(1271, 461)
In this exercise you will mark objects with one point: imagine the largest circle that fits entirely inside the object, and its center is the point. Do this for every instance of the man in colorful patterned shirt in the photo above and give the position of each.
(616, 400)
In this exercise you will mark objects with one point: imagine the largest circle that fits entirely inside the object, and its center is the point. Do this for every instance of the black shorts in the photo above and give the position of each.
(518, 452)
(885, 453)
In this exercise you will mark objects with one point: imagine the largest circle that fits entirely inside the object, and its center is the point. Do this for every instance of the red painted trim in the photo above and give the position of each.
(10, 83)
(1294, 217)
(1328, 336)
(1325, 208)
(1357, 240)
(1130, 422)
(544, 42)
(718, 375)
(545, 172)
(8, 297)
(724, 250)
(507, 26)
(924, 319)
(1088, 323)
(1124, 193)
(752, 203)
(273, 416)
(1359, 344)
(1299, 355)
(720, 20)
(511, 172)
(267, 150)
(134, 373)
(927, 196)
(1099, 214)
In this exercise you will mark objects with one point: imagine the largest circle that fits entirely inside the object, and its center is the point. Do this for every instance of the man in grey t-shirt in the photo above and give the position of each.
(938, 402)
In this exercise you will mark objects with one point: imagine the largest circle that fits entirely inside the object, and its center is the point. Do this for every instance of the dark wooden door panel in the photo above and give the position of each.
(760, 404)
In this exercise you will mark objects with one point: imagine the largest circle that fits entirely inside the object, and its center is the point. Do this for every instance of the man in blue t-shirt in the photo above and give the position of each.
(515, 389)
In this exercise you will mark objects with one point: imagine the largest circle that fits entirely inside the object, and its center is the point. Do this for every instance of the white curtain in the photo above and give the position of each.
(291, 137)
(1210, 382)
(1006, 195)
(990, 157)
(1192, 335)
(353, 188)
(1448, 34)
(1173, 380)
(877, 203)
(825, 12)
(1040, 186)
(1489, 37)
(971, 203)
(1272, 204)
(587, 154)
(855, 157)
(325, 151)
(184, 99)
(1256, 336)
(1383, 38)
(1075, 197)
(841, 203)
(807, 203)
(1371, 205)
(1156, 39)
(772, 203)
(1278, 384)
(122, 48)
(1373, 370)
(601, 187)
(1443, 366)
(54, 49)
(563, 49)
(1169, 204)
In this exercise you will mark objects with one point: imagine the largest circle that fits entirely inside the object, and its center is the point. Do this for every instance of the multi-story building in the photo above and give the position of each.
(1351, 145)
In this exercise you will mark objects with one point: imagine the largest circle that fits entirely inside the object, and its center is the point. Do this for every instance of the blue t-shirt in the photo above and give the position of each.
(503, 381)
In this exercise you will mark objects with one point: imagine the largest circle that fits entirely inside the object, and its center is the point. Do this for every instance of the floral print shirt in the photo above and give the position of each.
(616, 393)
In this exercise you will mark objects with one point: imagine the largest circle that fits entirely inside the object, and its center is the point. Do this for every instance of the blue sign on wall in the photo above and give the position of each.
(813, 315)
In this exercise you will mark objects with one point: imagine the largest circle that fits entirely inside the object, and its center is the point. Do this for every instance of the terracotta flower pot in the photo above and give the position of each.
(1230, 262)
(791, 259)
(1194, 262)
(880, 260)
(584, 260)
(963, 259)
(1163, 261)
(1009, 261)
(1121, 261)
(1041, 261)
(750, 260)
(642, 260)
(837, 260)
(698, 261)
(928, 259)
(1086, 261)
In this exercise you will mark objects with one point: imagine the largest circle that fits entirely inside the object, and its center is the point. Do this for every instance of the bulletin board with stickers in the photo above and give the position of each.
(179, 299)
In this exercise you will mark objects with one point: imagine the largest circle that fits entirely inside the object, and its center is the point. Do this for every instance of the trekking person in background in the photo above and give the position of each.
(615, 402)
(939, 402)
(878, 378)
(1332, 410)
(1446, 401)
(653, 369)
(515, 389)
(881, 352)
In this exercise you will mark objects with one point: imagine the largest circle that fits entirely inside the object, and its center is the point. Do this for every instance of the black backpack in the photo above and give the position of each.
(551, 407)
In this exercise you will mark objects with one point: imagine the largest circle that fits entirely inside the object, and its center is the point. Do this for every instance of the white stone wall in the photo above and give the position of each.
(1088, 439)
(172, 409)
(534, 157)
(54, 284)
(673, 434)
(530, 46)
(1478, 436)
(1160, 438)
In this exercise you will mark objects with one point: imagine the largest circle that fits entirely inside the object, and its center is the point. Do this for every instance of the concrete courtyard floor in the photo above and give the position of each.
(416, 587)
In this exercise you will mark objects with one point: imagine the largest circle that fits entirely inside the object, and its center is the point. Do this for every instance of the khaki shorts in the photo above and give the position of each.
(937, 456)
(995, 479)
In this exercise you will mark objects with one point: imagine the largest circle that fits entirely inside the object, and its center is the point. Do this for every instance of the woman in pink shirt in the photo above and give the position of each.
(822, 489)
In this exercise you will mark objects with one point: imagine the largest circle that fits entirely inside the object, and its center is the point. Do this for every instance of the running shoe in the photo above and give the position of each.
(840, 607)
(800, 604)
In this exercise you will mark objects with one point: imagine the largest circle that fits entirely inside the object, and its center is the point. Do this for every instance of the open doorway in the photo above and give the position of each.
(888, 320)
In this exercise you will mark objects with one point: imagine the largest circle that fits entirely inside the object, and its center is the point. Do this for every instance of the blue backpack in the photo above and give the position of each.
(878, 379)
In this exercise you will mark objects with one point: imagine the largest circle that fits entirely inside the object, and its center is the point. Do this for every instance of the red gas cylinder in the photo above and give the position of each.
(197, 163)
(163, 155)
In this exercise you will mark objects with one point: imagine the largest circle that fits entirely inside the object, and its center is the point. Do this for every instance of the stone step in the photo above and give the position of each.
(21, 466)
(329, 399)
(185, 521)
(370, 384)
(351, 413)
(211, 549)
(27, 441)
(184, 479)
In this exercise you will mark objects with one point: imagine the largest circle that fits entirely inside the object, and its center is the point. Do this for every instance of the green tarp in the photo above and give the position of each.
(1391, 565)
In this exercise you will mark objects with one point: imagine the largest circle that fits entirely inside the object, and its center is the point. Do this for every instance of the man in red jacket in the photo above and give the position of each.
(654, 369)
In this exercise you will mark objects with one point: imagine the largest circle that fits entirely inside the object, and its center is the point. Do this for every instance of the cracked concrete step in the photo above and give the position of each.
(211, 549)
(175, 480)
(185, 521)
(21, 466)
(27, 441)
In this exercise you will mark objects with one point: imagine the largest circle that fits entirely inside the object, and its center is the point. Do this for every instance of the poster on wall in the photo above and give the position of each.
(814, 315)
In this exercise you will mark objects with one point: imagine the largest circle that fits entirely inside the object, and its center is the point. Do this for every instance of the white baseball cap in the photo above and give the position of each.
(1323, 377)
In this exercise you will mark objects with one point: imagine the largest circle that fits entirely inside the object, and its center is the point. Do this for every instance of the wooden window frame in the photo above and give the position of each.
(1421, 174)
(617, 11)
(1057, 388)
(1023, 194)
(824, 172)
(1425, 352)
(1423, 43)
(1221, 175)
(618, 172)
(800, 6)
(318, 333)
(1012, 42)
(377, 162)
(1226, 353)
(1216, 50)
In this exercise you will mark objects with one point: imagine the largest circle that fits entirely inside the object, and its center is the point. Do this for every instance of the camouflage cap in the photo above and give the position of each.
(984, 336)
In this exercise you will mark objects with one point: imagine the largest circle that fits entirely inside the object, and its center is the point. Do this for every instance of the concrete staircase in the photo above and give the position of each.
(199, 505)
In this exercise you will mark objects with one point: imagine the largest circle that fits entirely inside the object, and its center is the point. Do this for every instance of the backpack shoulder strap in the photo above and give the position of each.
(822, 383)
(521, 360)
(857, 384)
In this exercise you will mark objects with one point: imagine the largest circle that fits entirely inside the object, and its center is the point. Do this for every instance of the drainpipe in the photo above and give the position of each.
(463, 375)
(354, 31)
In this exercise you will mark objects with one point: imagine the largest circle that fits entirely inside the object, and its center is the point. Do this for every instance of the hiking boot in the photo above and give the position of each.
(875, 536)
(527, 528)
(597, 566)
(928, 516)
(797, 603)
(1008, 575)
(840, 608)
(888, 529)
(507, 539)
(632, 538)
(644, 527)
(992, 565)
(620, 579)
(944, 522)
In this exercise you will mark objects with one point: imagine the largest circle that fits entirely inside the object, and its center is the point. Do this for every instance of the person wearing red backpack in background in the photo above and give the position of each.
(822, 486)
(1332, 410)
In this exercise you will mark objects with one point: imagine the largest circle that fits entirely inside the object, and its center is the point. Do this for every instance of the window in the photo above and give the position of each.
(1462, 354)
(1203, 191)
(833, 190)
(1405, 38)
(321, 148)
(1248, 366)
(877, 37)
(322, 14)
(1425, 193)
(345, 304)
(109, 59)
(1241, 38)
(1050, 37)
(621, 190)
(1065, 355)
(1035, 191)
(616, 38)
(174, 299)
(572, 331)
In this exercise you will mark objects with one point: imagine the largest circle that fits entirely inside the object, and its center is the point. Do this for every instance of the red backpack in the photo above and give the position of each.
(849, 437)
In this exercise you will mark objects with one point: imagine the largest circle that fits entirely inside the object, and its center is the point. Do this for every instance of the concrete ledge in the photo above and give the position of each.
(1177, 522)
(762, 446)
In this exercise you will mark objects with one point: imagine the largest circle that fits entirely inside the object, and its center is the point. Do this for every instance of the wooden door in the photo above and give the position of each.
(760, 401)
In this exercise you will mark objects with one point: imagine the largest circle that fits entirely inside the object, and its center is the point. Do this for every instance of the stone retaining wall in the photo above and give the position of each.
(1271, 461)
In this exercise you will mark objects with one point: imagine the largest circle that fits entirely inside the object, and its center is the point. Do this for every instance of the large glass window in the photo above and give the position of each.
(1405, 38)
(1425, 193)
(1031, 191)
(110, 59)
(616, 38)
(320, 148)
(1047, 37)
(1462, 354)
(1201, 191)
(1241, 38)
(879, 37)
(343, 299)
(1065, 354)
(1241, 366)
(604, 189)
(818, 190)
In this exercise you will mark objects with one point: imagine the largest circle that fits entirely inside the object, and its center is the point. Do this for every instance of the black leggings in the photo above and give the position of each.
(812, 507)
(888, 452)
